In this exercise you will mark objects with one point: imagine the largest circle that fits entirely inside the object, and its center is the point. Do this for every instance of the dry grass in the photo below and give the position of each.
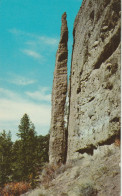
(50, 172)
(15, 189)
(117, 142)
(91, 175)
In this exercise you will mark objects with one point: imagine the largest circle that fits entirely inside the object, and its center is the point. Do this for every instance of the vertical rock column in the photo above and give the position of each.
(57, 146)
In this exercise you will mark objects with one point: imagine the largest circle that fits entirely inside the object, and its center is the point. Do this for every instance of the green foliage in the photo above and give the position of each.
(27, 149)
(21, 160)
(5, 157)
(42, 149)
(88, 190)
(16, 163)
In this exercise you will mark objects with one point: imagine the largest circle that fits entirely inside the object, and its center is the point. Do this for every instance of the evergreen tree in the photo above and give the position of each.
(16, 163)
(42, 149)
(21, 160)
(5, 157)
(27, 149)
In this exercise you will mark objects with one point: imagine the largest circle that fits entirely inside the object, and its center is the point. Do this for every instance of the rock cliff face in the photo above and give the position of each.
(94, 114)
(57, 146)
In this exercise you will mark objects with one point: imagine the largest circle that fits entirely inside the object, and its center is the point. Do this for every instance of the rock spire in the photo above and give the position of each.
(57, 146)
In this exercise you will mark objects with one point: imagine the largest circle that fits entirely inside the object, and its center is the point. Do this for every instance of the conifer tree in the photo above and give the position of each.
(5, 157)
(27, 151)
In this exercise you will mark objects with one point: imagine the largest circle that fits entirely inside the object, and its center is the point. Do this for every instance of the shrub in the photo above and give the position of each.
(15, 189)
(48, 174)
(117, 142)
(64, 194)
(88, 190)
(51, 171)
(63, 168)
(41, 195)
(85, 189)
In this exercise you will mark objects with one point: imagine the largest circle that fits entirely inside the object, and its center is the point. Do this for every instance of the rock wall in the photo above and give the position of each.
(57, 146)
(94, 113)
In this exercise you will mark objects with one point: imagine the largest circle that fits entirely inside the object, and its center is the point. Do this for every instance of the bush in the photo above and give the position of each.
(15, 189)
(48, 174)
(51, 171)
(88, 190)
(117, 142)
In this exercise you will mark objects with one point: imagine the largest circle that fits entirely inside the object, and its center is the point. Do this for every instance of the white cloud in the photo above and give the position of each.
(49, 40)
(15, 31)
(32, 53)
(13, 106)
(9, 94)
(39, 47)
(20, 80)
(45, 39)
(40, 95)
(12, 110)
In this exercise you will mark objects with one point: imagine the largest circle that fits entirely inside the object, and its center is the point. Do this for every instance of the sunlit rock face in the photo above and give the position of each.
(57, 146)
(94, 113)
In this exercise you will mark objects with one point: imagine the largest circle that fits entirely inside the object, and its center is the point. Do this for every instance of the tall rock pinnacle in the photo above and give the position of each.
(57, 146)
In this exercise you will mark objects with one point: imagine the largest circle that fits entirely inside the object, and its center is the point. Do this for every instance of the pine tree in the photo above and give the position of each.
(42, 150)
(5, 157)
(27, 149)
(16, 161)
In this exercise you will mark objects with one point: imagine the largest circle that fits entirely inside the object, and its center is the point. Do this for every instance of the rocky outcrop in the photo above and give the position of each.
(94, 115)
(97, 175)
(57, 146)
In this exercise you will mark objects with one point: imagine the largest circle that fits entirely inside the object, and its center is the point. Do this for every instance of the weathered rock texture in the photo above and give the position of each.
(97, 175)
(94, 115)
(57, 147)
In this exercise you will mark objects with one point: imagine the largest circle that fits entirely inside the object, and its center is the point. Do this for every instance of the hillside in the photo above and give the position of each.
(97, 175)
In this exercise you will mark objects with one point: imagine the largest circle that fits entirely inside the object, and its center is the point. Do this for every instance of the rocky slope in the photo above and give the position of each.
(94, 116)
(57, 147)
(97, 175)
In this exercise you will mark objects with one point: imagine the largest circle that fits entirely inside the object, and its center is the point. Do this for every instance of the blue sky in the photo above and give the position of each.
(29, 36)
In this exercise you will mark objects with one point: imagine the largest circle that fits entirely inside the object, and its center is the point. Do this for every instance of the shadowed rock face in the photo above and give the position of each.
(94, 116)
(57, 146)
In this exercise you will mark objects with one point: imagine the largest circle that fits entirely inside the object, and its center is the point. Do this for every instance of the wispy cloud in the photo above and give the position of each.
(40, 95)
(42, 38)
(48, 40)
(32, 53)
(39, 47)
(20, 80)
(5, 93)
(13, 106)
(15, 31)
